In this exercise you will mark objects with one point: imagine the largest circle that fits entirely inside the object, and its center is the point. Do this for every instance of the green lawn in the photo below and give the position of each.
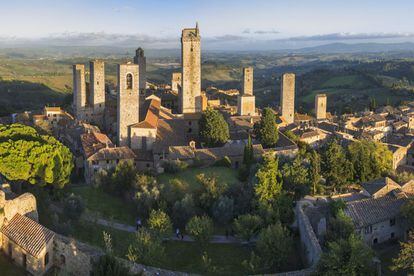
(7, 268)
(107, 206)
(225, 176)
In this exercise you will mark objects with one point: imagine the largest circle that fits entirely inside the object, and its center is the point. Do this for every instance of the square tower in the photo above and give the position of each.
(127, 102)
(287, 97)
(141, 60)
(79, 90)
(320, 106)
(246, 102)
(190, 96)
(176, 82)
(248, 81)
(97, 87)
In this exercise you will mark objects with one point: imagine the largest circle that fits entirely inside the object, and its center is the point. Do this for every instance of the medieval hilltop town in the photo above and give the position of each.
(157, 127)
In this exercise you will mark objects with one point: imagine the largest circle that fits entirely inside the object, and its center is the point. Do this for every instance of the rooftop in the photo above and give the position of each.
(113, 154)
(28, 234)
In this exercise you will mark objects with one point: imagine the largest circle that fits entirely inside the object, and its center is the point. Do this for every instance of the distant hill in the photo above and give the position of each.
(357, 48)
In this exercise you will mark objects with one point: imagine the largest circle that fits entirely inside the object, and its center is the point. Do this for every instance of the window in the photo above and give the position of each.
(46, 258)
(368, 229)
(190, 130)
(24, 261)
(129, 81)
(392, 222)
(62, 259)
(392, 235)
(375, 241)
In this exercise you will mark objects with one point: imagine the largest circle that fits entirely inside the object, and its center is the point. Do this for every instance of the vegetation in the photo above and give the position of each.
(214, 130)
(200, 228)
(266, 129)
(405, 259)
(146, 248)
(160, 224)
(30, 157)
(247, 226)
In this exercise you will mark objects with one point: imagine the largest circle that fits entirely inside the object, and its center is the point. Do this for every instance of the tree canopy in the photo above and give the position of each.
(38, 159)
(214, 130)
(266, 129)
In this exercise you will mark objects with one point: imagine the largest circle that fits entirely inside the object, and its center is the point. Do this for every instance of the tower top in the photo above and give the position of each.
(139, 52)
(196, 27)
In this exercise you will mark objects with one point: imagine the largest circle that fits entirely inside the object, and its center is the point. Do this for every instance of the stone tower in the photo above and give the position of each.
(97, 88)
(287, 97)
(141, 60)
(320, 106)
(128, 101)
(79, 90)
(176, 81)
(190, 96)
(246, 101)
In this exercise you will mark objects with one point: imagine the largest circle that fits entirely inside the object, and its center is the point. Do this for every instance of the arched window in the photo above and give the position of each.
(129, 81)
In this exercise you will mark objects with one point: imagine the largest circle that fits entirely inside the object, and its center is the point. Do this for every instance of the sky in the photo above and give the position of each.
(158, 23)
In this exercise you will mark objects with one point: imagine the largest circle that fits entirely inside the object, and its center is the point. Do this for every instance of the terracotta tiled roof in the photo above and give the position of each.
(113, 154)
(28, 234)
(369, 211)
(93, 142)
(151, 115)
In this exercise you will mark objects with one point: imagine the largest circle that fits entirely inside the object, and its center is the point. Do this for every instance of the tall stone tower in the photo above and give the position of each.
(190, 96)
(141, 60)
(79, 90)
(320, 106)
(128, 101)
(287, 97)
(246, 101)
(97, 87)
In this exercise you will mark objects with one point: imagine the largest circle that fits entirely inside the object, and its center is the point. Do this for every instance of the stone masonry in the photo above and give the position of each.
(287, 97)
(128, 101)
(97, 88)
(190, 96)
(320, 106)
(79, 90)
(246, 101)
(141, 61)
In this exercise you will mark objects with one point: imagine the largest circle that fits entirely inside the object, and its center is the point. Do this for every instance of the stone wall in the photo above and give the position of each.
(97, 89)
(320, 106)
(247, 81)
(24, 205)
(287, 97)
(79, 90)
(309, 241)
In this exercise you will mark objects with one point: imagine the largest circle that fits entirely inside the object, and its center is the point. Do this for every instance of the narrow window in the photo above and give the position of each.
(46, 258)
(392, 222)
(129, 81)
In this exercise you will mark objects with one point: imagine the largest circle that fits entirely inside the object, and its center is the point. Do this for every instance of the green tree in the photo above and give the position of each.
(147, 193)
(73, 206)
(346, 257)
(269, 181)
(30, 157)
(296, 177)
(200, 228)
(209, 191)
(266, 129)
(183, 210)
(405, 259)
(160, 224)
(223, 210)
(274, 246)
(407, 211)
(122, 180)
(146, 249)
(335, 165)
(246, 226)
(214, 130)
(248, 156)
(369, 159)
(340, 227)
(315, 172)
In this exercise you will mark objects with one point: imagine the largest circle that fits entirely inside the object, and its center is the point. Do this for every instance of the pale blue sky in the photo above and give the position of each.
(224, 19)
(216, 17)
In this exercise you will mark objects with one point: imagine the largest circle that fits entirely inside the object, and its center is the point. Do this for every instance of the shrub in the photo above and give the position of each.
(74, 207)
(224, 162)
(200, 228)
(174, 166)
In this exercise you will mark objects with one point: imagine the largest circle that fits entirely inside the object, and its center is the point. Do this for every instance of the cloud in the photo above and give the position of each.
(227, 37)
(351, 36)
(246, 31)
(272, 31)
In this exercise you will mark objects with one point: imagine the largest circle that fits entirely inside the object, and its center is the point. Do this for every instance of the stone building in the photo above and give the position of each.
(127, 101)
(79, 90)
(141, 61)
(97, 90)
(176, 82)
(320, 106)
(190, 94)
(246, 101)
(287, 97)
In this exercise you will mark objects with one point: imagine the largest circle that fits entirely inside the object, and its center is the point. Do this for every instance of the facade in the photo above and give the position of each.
(320, 106)
(127, 101)
(97, 90)
(287, 97)
(141, 61)
(79, 90)
(246, 101)
(190, 96)
(176, 82)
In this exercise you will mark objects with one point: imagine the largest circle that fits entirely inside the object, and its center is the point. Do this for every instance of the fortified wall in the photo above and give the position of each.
(24, 205)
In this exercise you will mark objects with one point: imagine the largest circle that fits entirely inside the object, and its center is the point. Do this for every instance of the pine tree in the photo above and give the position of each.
(248, 152)
(266, 130)
(214, 130)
